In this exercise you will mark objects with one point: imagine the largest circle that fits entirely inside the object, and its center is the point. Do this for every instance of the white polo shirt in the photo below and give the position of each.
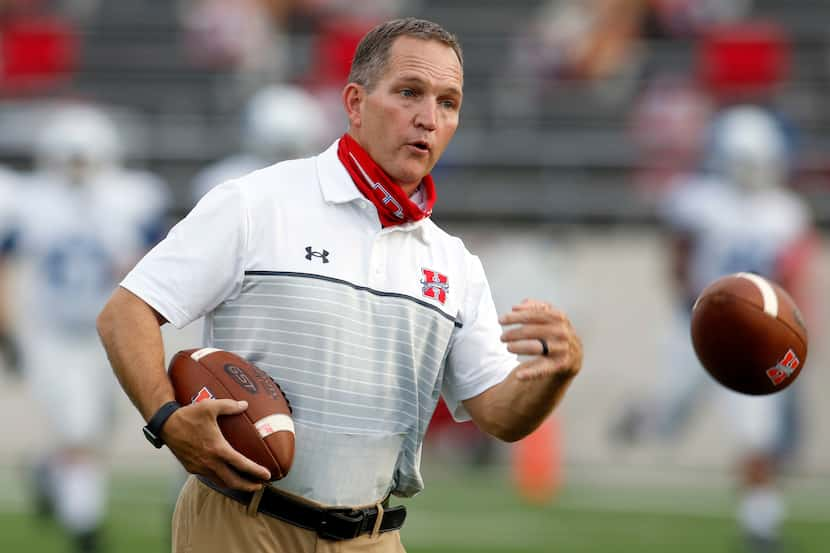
(363, 327)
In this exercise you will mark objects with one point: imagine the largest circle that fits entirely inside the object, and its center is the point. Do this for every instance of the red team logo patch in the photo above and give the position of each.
(203, 394)
(788, 364)
(435, 285)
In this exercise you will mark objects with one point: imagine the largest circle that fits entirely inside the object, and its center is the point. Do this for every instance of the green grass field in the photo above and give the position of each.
(477, 511)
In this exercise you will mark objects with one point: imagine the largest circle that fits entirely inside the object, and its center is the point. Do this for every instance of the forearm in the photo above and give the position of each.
(129, 331)
(516, 407)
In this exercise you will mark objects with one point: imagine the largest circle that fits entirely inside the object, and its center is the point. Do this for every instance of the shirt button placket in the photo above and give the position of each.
(379, 260)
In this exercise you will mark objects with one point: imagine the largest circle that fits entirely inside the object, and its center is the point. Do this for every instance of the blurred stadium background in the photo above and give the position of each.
(549, 180)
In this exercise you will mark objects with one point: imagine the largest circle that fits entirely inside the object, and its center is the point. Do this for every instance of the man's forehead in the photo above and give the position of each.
(413, 57)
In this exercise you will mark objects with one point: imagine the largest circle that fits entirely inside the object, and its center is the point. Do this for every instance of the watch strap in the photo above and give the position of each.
(153, 429)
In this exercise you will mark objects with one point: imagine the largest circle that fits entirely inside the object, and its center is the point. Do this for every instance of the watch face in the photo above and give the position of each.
(152, 438)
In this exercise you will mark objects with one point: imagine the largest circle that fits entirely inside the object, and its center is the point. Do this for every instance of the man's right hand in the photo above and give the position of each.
(130, 333)
(193, 435)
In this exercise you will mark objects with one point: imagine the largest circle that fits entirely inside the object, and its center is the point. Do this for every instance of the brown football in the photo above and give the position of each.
(748, 334)
(265, 431)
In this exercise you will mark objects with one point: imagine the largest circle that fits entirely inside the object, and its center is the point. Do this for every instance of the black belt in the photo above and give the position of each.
(331, 524)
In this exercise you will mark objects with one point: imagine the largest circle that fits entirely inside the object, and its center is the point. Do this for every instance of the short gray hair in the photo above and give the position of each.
(372, 53)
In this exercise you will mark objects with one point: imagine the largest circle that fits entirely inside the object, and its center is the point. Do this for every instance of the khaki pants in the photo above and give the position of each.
(206, 521)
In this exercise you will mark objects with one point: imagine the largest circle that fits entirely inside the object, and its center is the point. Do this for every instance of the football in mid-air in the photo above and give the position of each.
(748, 334)
(265, 431)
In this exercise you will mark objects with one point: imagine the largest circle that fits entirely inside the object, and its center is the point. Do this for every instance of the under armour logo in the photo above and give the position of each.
(311, 254)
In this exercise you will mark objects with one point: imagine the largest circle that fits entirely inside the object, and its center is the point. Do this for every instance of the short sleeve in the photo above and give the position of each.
(478, 359)
(200, 263)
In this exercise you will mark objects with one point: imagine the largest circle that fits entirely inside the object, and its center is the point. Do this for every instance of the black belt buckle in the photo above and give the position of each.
(344, 525)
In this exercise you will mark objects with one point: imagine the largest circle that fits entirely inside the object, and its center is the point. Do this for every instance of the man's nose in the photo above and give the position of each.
(427, 116)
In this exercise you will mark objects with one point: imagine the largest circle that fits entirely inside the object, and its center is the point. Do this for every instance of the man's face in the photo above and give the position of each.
(410, 116)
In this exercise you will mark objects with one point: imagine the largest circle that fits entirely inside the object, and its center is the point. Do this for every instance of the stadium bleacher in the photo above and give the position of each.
(564, 156)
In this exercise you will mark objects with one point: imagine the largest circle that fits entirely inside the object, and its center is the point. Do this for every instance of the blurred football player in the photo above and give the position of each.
(737, 216)
(9, 353)
(80, 222)
(279, 122)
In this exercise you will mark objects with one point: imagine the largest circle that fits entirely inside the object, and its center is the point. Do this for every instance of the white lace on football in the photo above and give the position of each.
(198, 354)
(274, 423)
(768, 294)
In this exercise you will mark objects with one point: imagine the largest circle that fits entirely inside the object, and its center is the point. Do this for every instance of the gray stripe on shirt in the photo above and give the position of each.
(353, 363)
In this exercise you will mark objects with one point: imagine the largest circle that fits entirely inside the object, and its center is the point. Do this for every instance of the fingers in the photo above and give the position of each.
(534, 347)
(529, 316)
(202, 448)
(228, 454)
(535, 321)
(533, 305)
(533, 312)
(244, 465)
(539, 327)
(227, 467)
(225, 475)
(226, 406)
(551, 333)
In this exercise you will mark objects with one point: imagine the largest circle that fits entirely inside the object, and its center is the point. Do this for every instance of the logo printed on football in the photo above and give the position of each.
(270, 386)
(265, 431)
(784, 368)
(202, 395)
(241, 378)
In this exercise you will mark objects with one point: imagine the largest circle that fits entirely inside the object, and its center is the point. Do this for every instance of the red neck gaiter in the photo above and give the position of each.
(393, 205)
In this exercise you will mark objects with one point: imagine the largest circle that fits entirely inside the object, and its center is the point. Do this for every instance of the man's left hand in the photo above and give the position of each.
(542, 327)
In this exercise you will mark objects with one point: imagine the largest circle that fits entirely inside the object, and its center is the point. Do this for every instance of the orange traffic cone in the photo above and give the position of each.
(537, 463)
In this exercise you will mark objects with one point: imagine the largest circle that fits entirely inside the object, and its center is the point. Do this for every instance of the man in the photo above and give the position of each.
(737, 217)
(75, 227)
(328, 273)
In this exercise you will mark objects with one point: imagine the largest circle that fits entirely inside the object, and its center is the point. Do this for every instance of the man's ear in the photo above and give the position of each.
(353, 95)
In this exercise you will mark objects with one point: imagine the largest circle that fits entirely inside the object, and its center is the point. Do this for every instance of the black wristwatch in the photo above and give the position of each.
(153, 429)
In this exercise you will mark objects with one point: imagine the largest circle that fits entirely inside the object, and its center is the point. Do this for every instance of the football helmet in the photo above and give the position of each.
(750, 148)
(76, 142)
(283, 122)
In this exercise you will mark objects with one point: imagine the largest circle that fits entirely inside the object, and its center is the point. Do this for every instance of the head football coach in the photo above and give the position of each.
(329, 274)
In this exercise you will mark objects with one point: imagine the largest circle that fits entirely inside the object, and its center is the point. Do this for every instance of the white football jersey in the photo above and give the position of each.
(734, 230)
(77, 242)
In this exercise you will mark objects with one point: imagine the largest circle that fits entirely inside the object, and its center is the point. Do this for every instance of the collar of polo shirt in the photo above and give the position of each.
(337, 187)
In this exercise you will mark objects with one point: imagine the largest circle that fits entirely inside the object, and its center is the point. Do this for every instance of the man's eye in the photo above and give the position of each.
(408, 93)
(449, 104)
